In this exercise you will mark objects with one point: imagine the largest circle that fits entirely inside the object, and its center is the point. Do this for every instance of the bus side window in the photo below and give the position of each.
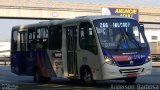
(87, 37)
(42, 38)
(23, 40)
(14, 40)
(31, 39)
(55, 37)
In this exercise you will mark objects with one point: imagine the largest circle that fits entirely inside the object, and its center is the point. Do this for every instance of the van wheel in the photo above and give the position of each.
(86, 77)
(130, 80)
(38, 77)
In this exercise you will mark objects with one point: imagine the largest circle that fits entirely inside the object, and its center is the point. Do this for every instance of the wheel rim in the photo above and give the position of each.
(87, 76)
(37, 77)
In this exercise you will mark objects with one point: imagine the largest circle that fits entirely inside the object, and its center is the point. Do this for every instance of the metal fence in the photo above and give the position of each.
(4, 60)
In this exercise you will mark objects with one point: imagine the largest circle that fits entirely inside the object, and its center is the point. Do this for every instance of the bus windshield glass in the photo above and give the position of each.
(120, 33)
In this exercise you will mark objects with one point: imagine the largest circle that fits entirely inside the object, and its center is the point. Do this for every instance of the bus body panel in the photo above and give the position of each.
(64, 53)
(22, 63)
(122, 70)
(55, 58)
(115, 72)
(93, 61)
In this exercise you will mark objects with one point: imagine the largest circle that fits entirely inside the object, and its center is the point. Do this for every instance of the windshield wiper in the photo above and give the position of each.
(122, 38)
(133, 40)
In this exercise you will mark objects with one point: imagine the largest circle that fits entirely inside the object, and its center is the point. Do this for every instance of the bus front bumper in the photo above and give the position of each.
(115, 72)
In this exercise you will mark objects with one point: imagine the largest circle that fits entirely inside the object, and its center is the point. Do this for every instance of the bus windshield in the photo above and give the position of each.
(120, 33)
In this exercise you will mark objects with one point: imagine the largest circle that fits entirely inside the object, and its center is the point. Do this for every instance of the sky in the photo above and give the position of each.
(7, 24)
(142, 3)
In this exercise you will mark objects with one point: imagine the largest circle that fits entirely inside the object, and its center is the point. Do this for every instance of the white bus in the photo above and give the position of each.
(88, 48)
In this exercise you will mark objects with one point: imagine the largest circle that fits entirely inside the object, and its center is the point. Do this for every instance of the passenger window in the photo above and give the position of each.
(31, 39)
(55, 37)
(87, 39)
(14, 40)
(23, 40)
(42, 38)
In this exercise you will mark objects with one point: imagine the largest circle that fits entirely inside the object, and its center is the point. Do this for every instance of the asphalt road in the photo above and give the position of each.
(10, 81)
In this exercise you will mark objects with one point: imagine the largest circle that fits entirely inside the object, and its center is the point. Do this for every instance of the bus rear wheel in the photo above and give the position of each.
(86, 76)
(38, 77)
(130, 80)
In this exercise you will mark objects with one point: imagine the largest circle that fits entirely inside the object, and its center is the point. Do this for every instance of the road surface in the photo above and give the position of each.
(10, 81)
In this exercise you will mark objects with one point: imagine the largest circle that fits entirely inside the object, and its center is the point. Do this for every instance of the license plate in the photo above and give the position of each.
(132, 75)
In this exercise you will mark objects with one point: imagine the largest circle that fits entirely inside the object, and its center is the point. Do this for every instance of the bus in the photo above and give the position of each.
(87, 48)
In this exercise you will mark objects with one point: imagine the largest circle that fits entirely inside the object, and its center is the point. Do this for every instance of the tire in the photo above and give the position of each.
(86, 77)
(39, 78)
(130, 80)
(74, 81)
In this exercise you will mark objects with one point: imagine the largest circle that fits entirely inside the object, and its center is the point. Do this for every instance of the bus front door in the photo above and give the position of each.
(71, 36)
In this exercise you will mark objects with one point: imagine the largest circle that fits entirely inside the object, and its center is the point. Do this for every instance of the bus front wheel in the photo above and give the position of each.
(38, 77)
(130, 80)
(86, 76)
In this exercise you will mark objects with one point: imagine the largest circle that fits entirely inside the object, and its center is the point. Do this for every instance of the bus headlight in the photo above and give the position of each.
(148, 59)
(109, 61)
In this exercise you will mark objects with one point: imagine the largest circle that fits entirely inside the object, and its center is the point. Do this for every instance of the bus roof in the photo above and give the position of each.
(91, 18)
(16, 27)
(51, 22)
(102, 16)
(44, 23)
(67, 21)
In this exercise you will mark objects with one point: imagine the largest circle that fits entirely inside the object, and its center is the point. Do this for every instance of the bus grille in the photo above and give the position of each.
(127, 63)
(136, 70)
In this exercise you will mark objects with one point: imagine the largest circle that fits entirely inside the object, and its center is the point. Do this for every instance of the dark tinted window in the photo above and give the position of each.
(87, 37)
(31, 39)
(23, 40)
(42, 37)
(55, 37)
(14, 40)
